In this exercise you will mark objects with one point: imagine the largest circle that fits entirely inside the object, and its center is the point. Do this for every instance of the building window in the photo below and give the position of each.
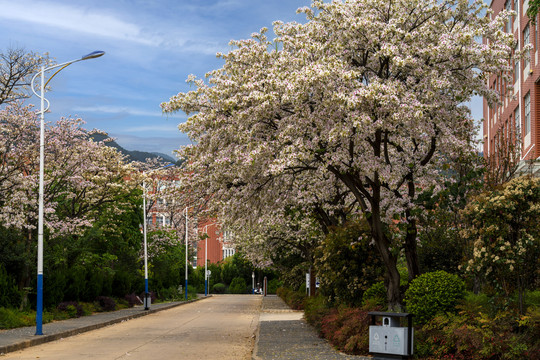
(508, 7)
(527, 102)
(149, 220)
(517, 119)
(526, 41)
(516, 66)
(159, 220)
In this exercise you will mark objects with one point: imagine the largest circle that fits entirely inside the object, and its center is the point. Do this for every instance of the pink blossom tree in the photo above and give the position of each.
(82, 177)
(368, 91)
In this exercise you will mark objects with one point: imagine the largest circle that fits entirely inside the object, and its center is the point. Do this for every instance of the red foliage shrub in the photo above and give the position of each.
(347, 329)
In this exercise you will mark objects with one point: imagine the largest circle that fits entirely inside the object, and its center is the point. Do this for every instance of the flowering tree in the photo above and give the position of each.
(368, 91)
(82, 177)
(504, 234)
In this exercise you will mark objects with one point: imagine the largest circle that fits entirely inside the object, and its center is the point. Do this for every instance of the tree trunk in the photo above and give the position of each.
(312, 285)
(393, 293)
(411, 254)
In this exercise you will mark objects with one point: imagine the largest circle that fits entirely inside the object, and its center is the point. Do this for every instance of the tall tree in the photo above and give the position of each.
(369, 91)
(16, 68)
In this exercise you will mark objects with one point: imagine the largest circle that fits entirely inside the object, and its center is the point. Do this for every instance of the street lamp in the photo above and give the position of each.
(186, 290)
(206, 259)
(41, 96)
(146, 292)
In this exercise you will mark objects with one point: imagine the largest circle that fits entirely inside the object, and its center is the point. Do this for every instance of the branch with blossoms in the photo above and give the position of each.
(371, 98)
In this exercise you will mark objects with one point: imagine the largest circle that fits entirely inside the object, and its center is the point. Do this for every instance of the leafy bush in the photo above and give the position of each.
(219, 288)
(475, 336)
(315, 309)
(106, 303)
(238, 286)
(170, 294)
(375, 294)
(72, 308)
(11, 318)
(433, 293)
(346, 328)
(9, 294)
(294, 299)
(346, 264)
(273, 285)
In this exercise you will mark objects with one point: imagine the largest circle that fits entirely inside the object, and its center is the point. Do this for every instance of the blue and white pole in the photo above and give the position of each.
(186, 290)
(206, 265)
(146, 307)
(43, 109)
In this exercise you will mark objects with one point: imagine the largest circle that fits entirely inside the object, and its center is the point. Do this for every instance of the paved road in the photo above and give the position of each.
(220, 327)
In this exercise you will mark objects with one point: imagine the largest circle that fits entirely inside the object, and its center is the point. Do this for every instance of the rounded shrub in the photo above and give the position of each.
(433, 293)
(375, 294)
(220, 288)
(238, 286)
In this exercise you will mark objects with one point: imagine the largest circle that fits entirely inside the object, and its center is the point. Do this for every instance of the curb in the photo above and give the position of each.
(42, 339)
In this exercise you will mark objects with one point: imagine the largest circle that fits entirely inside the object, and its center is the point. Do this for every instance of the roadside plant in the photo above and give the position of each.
(433, 293)
(504, 237)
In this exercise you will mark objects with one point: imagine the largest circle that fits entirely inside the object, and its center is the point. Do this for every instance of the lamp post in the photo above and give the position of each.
(206, 259)
(186, 290)
(146, 292)
(43, 109)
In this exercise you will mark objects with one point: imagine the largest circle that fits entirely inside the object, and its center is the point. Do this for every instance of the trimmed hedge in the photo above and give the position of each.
(434, 293)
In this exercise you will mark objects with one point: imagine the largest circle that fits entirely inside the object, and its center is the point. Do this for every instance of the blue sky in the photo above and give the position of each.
(151, 47)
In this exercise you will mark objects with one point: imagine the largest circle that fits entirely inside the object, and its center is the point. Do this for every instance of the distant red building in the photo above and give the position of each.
(219, 246)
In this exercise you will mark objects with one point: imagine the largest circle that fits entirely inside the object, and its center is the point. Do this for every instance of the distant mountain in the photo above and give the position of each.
(133, 155)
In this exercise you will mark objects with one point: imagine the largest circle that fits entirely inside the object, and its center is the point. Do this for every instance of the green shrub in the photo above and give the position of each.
(315, 309)
(273, 285)
(475, 336)
(375, 294)
(219, 288)
(433, 293)
(9, 294)
(170, 294)
(294, 299)
(11, 318)
(238, 286)
(192, 292)
(346, 264)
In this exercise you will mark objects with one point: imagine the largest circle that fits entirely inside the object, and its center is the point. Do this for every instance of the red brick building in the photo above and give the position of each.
(515, 119)
(219, 246)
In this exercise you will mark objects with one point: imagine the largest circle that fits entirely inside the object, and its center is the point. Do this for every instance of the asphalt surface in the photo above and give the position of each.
(24, 337)
(282, 334)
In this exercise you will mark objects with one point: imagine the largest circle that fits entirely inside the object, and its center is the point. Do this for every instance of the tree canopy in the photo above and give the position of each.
(367, 94)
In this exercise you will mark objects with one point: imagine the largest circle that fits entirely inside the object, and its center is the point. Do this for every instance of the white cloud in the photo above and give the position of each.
(74, 18)
(119, 110)
(147, 128)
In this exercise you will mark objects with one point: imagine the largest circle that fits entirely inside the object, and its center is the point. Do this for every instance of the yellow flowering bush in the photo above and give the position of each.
(504, 235)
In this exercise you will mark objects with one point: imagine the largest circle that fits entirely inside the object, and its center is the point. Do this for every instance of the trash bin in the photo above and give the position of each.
(147, 301)
(391, 340)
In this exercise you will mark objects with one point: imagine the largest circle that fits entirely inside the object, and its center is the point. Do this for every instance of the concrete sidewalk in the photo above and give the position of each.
(283, 334)
(20, 338)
